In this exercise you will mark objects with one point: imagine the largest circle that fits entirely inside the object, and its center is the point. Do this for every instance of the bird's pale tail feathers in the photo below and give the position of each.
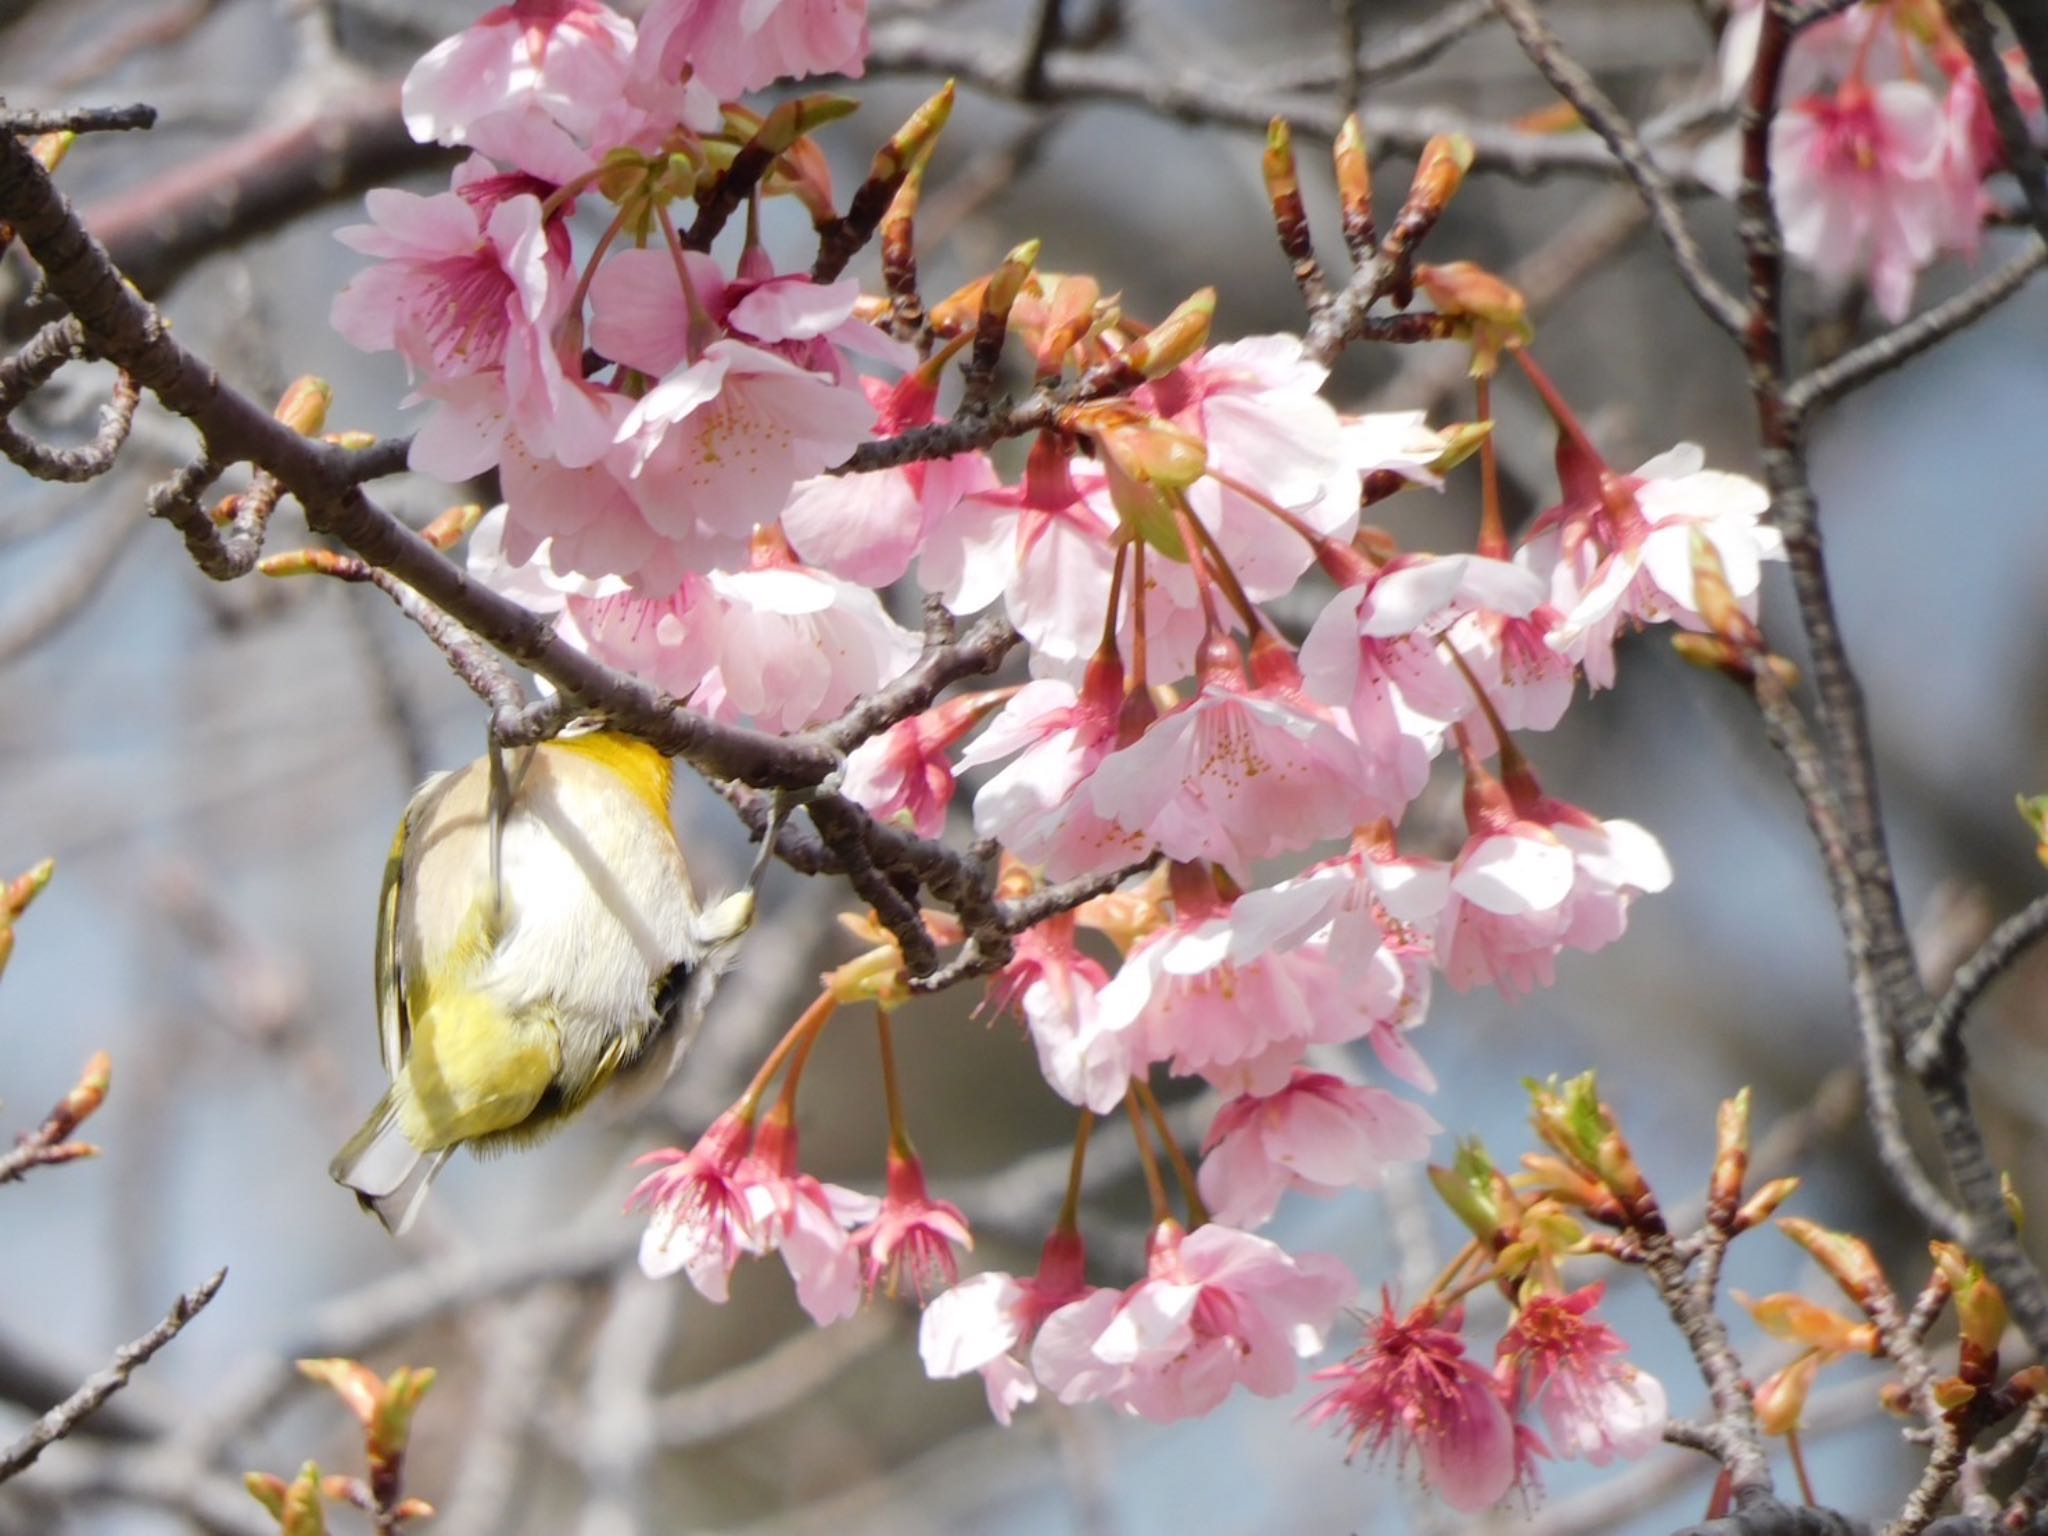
(388, 1174)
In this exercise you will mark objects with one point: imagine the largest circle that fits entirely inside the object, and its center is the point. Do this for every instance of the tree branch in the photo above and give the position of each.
(61, 1420)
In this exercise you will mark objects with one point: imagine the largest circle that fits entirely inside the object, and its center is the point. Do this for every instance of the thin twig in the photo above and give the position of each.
(77, 120)
(61, 1420)
(1940, 1045)
(1881, 354)
(1619, 134)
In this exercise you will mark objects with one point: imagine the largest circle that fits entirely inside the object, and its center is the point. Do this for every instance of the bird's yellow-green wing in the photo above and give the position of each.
(394, 1027)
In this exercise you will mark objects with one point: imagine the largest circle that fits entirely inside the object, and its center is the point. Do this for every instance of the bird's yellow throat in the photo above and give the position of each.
(644, 771)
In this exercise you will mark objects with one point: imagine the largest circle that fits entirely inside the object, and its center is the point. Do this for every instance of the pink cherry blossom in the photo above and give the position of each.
(1537, 876)
(869, 527)
(1411, 1388)
(1613, 862)
(1355, 931)
(903, 774)
(1866, 186)
(736, 46)
(1624, 552)
(1397, 442)
(1036, 806)
(537, 84)
(987, 1323)
(1241, 771)
(671, 642)
(1218, 1309)
(1046, 548)
(1058, 990)
(752, 394)
(1972, 131)
(796, 646)
(1595, 1404)
(702, 1207)
(913, 1235)
(1508, 912)
(1257, 406)
(1372, 653)
(806, 1222)
(1217, 991)
(590, 516)
(1319, 1134)
(1524, 677)
(469, 291)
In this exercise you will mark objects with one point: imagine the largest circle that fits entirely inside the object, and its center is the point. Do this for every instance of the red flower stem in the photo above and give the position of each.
(1441, 1283)
(1155, 1187)
(1116, 594)
(1567, 422)
(809, 1021)
(1197, 1212)
(1233, 589)
(1509, 752)
(899, 1137)
(552, 203)
(574, 312)
(812, 1025)
(1316, 541)
(1493, 533)
(1138, 680)
(1070, 1208)
(1792, 1444)
(702, 331)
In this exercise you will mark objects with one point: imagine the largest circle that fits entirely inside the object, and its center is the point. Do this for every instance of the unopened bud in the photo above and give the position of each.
(360, 1388)
(1493, 309)
(1283, 192)
(89, 1093)
(1567, 1185)
(1848, 1260)
(1980, 1310)
(304, 405)
(1438, 175)
(1468, 1188)
(1761, 1206)
(355, 440)
(914, 139)
(267, 1490)
(1558, 117)
(1173, 340)
(1354, 186)
(2014, 1206)
(1952, 1392)
(1072, 311)
(454, 525)
(1792, 1317)
(391, 1425)
(1714, 598)
(1731, 1159)
(792, 119)
(17, 893)
(1461, 439)
(49, 149)
(301, 1512)
(1781, 1400)
(1007, 281)
(314, 562)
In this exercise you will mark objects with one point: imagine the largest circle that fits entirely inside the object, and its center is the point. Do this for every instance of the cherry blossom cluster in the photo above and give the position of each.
(678, 435)
(1883, 142)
